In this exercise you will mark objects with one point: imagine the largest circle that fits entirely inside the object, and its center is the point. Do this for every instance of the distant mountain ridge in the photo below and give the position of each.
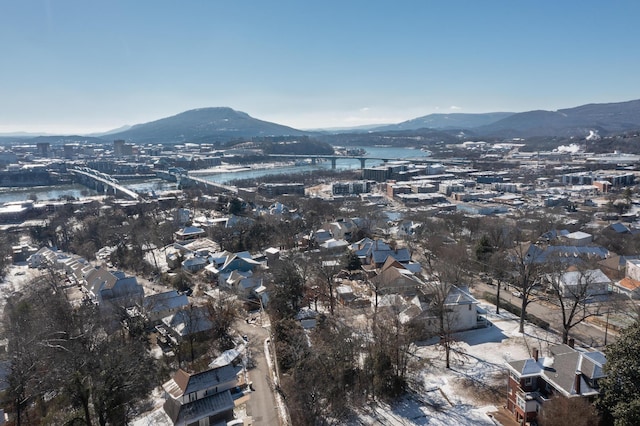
(214, 124)
(222, 124)
(606, 118)
(447, 121)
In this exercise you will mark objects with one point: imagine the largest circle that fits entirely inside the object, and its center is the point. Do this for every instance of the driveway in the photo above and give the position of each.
(262, 404)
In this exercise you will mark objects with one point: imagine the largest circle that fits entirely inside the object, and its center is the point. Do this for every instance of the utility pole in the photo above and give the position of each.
(606, 328)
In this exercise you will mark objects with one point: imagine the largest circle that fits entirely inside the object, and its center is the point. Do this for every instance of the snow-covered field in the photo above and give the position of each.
(475, 386)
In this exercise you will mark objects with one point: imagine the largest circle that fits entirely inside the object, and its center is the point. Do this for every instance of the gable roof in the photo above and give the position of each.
(629, 284)
(567, 254)
(192, 412)
(560, 369)
(165, 301)
(186, 383)
(619, 228)
(188, 321)
(591, 276)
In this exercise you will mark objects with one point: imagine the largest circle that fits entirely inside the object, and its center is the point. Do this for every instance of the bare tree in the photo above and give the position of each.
(526, 263)
(497, 265)
(70, 356)
(445, 271)
(327, 267)
(223, 311)
(572, 290)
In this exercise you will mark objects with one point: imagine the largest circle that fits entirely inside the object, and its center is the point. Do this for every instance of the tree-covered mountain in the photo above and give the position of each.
(605, 118)
(447, 121)
(204, 125)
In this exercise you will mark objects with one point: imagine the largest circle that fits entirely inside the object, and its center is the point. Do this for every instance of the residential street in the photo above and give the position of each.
(585, 333)
(262, 404)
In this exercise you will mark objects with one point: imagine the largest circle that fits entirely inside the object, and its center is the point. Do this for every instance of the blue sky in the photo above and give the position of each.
(81, 66)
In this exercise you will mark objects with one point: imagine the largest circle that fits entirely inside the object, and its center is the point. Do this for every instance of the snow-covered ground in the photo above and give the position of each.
(475, 386)
(18, 277)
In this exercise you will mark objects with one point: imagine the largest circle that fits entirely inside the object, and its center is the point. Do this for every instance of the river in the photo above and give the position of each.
(341, 164)
(78, 191)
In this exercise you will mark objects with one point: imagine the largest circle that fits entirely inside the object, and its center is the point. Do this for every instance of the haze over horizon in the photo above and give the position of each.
(79, 67)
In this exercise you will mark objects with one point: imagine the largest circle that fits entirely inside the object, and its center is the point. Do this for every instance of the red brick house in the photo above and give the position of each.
(566, 373)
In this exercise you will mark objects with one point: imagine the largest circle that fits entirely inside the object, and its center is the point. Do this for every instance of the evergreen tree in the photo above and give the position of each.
(620, 391)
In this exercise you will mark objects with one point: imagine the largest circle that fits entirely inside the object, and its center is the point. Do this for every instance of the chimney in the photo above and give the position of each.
(535, 354)
(572, 342)
(576, 384)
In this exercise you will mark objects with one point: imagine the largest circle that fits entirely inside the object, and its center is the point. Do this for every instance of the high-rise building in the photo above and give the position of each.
(118, 147)
(43, 149)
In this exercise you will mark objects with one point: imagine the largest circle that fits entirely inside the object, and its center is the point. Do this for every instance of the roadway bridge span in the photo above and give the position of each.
(102, 182)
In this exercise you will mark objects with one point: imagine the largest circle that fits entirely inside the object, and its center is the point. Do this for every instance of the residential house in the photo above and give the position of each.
(629, 287)
(188, 233)
(376, 253)
(566, 254)
(321, 235)
(345, 294)
(307, 317)
(618, 228)
(633, 269)
(112, 288)
(592, 282)
(342, 229)
(615, 266)
(630, 284)
(565, 373)
(579, 239)
(201, 247)
(47, 258)
(191, 321)
(224, 264)
(194, 264)
(333, 245)
(394, 277)
(22, 251)
(461, 309)
(158, 306)
(201, 399)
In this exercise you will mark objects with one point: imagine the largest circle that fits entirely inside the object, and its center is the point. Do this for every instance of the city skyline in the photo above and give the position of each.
(78, 67)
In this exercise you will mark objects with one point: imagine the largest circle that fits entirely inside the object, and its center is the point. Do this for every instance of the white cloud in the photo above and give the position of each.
(365, 109)
(453, 107)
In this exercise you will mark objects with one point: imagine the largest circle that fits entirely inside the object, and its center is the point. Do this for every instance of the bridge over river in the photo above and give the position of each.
(361, 158)
(185, 180)
(102, 182)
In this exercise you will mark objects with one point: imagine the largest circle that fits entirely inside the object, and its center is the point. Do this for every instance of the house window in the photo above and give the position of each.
(528, 381)
(520, 402)
(193, 396)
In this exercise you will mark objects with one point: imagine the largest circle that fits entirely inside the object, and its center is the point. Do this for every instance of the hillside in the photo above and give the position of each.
(447, 121)
(606, 118)
(203, 125)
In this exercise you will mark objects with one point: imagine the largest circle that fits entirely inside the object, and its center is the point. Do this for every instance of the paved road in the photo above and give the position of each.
(262, 404)
(584, 333)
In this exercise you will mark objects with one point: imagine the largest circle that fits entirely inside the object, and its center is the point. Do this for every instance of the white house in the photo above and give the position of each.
(633, 269)
(572, 283)
(578, 238)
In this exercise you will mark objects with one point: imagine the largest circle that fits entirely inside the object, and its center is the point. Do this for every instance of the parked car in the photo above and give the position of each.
(517, 294)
